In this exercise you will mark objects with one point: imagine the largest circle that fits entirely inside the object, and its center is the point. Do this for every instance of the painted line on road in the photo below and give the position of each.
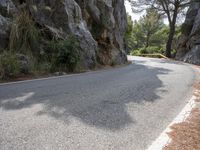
(54, 77)
(164, 139)
(60, 76)
(39, 79)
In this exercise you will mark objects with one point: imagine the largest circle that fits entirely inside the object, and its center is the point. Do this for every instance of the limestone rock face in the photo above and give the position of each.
(98, 25)
(64, 18)
(189, 42)
(107, 23)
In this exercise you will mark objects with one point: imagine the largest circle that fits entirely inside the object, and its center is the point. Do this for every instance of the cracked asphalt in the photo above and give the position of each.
(118, 109)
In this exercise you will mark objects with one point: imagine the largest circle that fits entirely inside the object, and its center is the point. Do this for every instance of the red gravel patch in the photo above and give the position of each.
(186, 135)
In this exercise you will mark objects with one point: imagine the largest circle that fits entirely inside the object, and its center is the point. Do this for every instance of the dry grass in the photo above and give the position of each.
(186, 135)
(24, 36)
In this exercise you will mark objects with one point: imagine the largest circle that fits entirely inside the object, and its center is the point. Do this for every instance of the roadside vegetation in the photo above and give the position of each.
(9, 65)
(172, 10)
(149, 34)
(32, 52)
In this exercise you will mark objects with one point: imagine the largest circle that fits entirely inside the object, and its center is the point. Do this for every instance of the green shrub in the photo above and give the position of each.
(135, 52)
(143, 51)
(113, 63)
(148, 50)
(63, 54)
(24, 36)
(42, 68)
(9, 65)
(173, 53)
(154, 49)
(139, 51)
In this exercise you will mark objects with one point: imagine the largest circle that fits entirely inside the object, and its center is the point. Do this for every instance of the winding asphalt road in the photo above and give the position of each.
(123, 108)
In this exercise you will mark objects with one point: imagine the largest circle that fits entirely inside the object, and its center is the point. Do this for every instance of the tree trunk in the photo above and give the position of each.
(147, 40)
(172, 30)
(170, 40)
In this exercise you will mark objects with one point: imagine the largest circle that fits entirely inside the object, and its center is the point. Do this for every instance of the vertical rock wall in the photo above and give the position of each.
(189, 42)
(99, 26)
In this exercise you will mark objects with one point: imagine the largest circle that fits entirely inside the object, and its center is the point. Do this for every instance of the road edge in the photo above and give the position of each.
(164, 139)
(66, 75)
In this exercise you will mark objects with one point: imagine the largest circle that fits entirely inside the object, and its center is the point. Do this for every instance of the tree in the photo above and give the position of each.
(170, 8)
(146, 31)
(150, 24)
(129, 34)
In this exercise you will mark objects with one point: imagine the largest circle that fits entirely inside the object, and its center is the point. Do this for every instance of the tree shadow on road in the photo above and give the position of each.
(96, 99)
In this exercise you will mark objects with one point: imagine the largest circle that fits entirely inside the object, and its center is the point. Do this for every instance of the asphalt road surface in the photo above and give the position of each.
(121, 109)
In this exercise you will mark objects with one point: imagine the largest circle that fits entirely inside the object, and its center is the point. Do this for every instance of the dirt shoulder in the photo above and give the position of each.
(186, 135)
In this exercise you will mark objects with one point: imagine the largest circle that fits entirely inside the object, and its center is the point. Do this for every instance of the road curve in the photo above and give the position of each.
(123, 108)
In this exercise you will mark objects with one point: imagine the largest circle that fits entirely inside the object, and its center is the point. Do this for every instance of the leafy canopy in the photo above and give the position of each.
(168, 8)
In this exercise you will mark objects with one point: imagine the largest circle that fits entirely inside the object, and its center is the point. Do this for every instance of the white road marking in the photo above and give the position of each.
(164, 139)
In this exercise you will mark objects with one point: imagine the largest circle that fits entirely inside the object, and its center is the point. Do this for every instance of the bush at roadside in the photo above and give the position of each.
(64, 55)
(148, 50)
(9, 65)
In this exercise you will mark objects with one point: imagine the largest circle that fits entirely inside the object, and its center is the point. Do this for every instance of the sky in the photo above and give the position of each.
(129, 11)
(137, 16)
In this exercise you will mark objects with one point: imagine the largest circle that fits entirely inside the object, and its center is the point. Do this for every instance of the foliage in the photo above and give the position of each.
(135, 53)
(168, 8)
(129, 34)
(24, 36)
(150, 24)
(160, 36)
(42, 67)
(9, 65)
(63, 54)
(148, 50)
(148, 35)
(113, 63)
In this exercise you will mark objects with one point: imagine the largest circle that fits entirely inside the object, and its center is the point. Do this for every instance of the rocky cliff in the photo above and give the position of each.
(99, 25)
(189, 42)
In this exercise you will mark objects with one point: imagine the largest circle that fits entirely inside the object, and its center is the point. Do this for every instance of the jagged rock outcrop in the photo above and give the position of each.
(99, 26)
(189, 42)
(64, 18)
(107, 22)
